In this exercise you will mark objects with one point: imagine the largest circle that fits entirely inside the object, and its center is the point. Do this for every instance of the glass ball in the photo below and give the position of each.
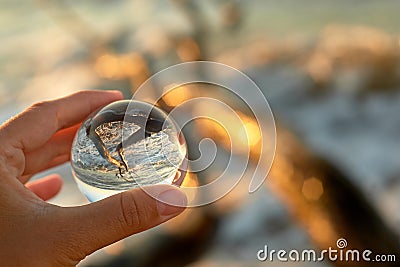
(127, 144)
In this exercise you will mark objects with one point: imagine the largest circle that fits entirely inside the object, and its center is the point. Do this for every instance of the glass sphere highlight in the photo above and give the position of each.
(127, 144)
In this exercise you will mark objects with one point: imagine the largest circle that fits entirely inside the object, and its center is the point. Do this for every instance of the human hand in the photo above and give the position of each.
(36, 233)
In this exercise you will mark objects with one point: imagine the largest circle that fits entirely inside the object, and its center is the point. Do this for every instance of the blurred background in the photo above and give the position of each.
(329, 69)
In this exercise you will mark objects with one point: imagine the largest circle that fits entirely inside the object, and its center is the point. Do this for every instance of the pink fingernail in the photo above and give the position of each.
(171, 202)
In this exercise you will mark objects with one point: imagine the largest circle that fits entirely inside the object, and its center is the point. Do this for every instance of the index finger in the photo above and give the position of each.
(35, 126)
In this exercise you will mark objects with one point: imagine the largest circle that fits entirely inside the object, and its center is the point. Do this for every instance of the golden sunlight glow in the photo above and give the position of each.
(121, 66)
(319, 67)
(217, 131)
(312, 189)
(364, 47)
(244, 133)
(321, 230)
(248, 133)
(106, 66)
(178, 95)
(115, 248)
(252, 130)
(189, 218)
(191, 182)
(188, 50)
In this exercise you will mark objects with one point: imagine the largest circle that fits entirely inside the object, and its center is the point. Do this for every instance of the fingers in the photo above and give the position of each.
(107, 221)
(56, 151)
(35, 126)
(46, 187)
(53, 163)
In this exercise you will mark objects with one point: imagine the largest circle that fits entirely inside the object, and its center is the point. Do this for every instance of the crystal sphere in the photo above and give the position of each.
(127, 144)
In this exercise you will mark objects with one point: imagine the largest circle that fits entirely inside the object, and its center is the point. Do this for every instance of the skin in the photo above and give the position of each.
(36, 233)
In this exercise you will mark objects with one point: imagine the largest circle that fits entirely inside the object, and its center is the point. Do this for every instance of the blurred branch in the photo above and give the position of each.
(318, 195)
(326, 203)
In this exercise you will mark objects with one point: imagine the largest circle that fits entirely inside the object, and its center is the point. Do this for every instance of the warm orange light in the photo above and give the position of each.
(312, 189)
(191, 182)
(236, 128)
(188, 219)
(365, 45)
(115, 248)
(176, 96)
(248, 133)
(253, 131)
(320, 67)
(106, 66)
(121, 66)
(321, 229)
(188, 50)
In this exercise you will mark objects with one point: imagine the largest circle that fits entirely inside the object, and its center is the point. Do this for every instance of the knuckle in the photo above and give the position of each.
(47, 107)
(40, 105)
(84, 94)
(11, 159)
(130, 216)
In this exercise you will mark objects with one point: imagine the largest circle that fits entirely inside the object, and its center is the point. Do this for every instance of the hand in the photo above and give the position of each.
(36, 233)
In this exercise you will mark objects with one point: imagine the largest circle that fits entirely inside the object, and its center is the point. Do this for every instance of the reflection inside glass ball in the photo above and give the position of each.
(127, 144)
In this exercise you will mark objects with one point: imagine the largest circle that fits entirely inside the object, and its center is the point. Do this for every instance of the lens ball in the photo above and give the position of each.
(124, 145)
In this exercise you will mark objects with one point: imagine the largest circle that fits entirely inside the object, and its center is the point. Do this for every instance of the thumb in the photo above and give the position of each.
(99, 224)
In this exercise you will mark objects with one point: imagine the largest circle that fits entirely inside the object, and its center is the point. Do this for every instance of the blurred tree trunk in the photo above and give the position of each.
(327, 204)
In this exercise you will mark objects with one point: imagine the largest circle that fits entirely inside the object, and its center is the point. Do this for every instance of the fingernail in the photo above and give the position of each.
(171, 202)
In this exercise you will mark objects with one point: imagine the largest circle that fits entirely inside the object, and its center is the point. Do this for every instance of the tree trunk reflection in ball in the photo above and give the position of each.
(118, 148)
